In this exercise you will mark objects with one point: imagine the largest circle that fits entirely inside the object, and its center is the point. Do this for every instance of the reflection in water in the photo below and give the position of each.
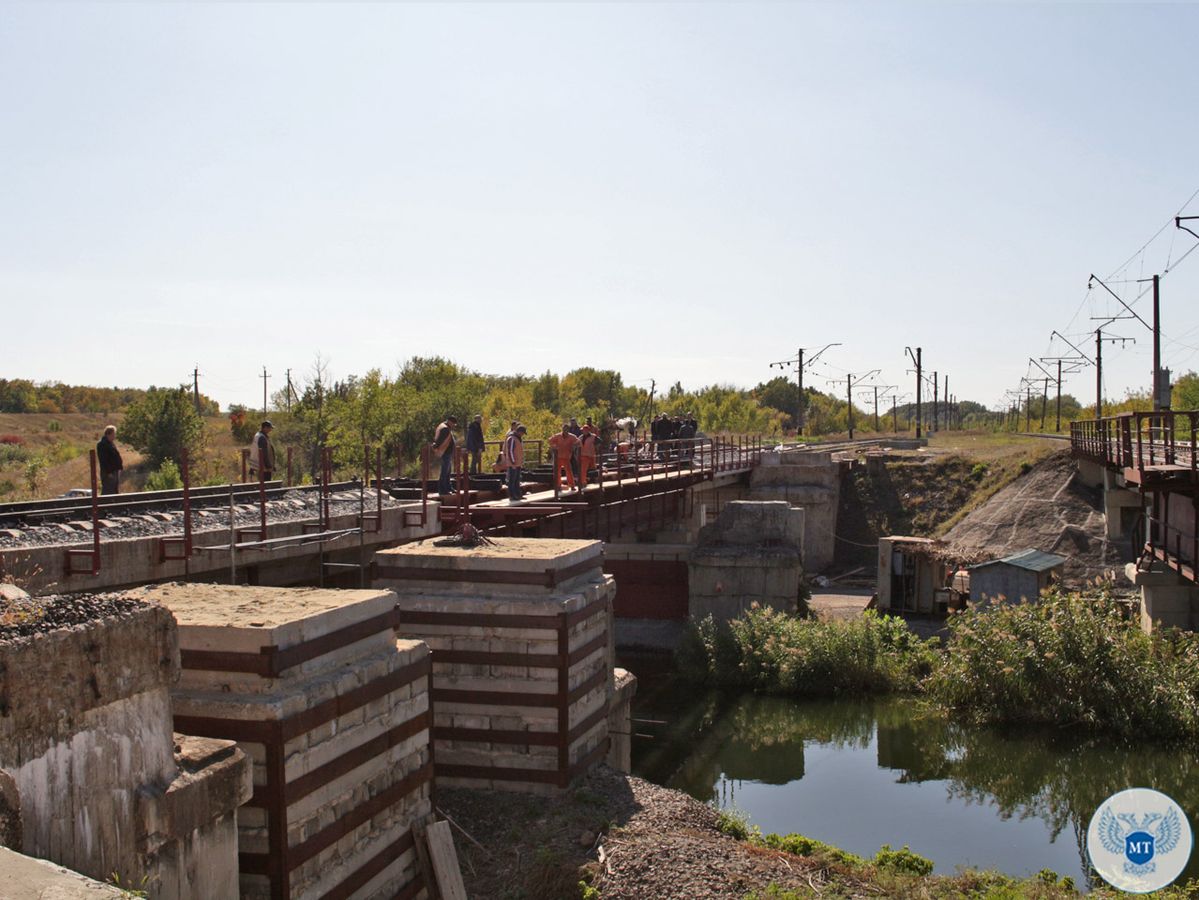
(861, 773)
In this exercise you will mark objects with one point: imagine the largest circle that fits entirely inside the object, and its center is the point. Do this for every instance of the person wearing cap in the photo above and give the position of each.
(262, 454)
(443, 447)
(474, 443)
(512, 458)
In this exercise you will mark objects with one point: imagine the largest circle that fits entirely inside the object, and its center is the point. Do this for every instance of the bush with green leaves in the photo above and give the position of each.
(165, 478)
(768, 650)
(162, 424)
(1070, 660)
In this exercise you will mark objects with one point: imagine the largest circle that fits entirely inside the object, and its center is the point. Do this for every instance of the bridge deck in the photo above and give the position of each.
(1156, 453)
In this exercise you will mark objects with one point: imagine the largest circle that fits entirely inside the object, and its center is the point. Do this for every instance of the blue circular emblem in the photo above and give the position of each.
(1139, 840)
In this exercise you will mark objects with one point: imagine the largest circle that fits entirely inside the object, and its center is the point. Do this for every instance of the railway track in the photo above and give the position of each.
(29, 513)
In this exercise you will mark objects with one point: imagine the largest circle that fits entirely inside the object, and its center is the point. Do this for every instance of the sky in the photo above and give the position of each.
(682, 192)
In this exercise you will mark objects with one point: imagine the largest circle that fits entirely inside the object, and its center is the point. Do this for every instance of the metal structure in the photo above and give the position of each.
(1155, 453)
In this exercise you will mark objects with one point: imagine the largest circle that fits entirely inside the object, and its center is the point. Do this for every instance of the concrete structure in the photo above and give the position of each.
(1167, 599)
(25, 878)
(91, 775)
(130, 562)
(1015, 579)
(334, 713)
(750, 554)
(911, 573)
(620, 721)
(521, 636)
(811, 480)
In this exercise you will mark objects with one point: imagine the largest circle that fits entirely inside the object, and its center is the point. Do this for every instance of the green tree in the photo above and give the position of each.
(162, 424)
(780, 393)
(1186, 392)
(547, 392)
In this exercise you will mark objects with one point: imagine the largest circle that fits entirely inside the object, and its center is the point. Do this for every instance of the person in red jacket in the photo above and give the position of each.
(563, 446)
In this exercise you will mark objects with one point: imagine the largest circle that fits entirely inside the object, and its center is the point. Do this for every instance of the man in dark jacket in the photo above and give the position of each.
(474, 443)
(109, 458)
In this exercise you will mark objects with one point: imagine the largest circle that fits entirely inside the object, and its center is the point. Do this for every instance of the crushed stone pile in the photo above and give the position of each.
(23, 616)
(1050, 509)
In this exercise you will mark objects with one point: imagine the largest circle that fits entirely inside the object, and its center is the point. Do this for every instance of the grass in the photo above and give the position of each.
(902, 873)
(59, 443)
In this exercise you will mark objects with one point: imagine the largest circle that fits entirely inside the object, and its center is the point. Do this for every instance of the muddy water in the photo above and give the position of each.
(859, 774)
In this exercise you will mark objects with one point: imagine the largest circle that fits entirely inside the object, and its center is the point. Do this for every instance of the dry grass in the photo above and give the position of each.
(64, 439)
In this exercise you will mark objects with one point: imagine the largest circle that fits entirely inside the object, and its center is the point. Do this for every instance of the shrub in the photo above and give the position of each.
(734, 823)
(165, 478)
(799, 845)
(14, 439)
(243, 424)
(11, 454)
(54, 426)
(35, 470)
(902, 860)
(1070, 660)
(772, 651)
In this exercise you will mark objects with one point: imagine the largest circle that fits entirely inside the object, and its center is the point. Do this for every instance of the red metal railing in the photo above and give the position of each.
(1174, 546)
(1140, 440)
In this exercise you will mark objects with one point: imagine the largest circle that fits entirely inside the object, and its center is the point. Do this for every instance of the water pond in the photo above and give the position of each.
(862, 773)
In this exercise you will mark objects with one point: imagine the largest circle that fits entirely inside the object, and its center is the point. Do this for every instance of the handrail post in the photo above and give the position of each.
(187, 506)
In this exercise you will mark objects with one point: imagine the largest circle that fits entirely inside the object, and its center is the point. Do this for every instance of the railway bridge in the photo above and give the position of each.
(647, 504)
(1148, 466)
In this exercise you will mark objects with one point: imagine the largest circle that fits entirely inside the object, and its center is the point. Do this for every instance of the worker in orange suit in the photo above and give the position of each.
(588, 450)
(563, 446)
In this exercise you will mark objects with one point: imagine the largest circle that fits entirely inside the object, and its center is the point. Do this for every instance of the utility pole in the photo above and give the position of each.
(1080, 359)
(948, 405)
(289, 390)
(850, 382)
(196, 387)
(1045, 394)
(919, 378)
(1157, 389)
(1099, 339)
(885, 389)
(800, 365)
(264, 376)
(936, 424)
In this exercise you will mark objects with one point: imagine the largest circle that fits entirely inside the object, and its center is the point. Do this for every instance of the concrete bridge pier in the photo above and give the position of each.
(1167, 599)
(1122, 506)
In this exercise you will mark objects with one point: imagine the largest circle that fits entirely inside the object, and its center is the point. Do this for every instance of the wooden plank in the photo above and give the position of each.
(424, 866)
(445, 861)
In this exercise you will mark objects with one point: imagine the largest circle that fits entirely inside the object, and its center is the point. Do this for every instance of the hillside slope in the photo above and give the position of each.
(1048, 509)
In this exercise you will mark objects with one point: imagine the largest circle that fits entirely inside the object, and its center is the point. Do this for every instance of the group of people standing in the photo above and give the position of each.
(574, 452)
(665, 428)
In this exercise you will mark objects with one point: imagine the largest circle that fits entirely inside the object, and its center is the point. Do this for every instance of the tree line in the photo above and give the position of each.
(21, 395)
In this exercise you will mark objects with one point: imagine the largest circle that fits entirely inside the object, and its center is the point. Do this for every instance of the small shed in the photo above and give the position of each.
(911, 570)
(1019, 577)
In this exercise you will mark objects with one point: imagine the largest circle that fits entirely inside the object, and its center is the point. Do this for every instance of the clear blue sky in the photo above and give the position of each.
(678, 191)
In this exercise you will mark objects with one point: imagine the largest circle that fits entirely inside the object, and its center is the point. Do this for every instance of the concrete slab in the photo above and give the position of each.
(26, 878)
